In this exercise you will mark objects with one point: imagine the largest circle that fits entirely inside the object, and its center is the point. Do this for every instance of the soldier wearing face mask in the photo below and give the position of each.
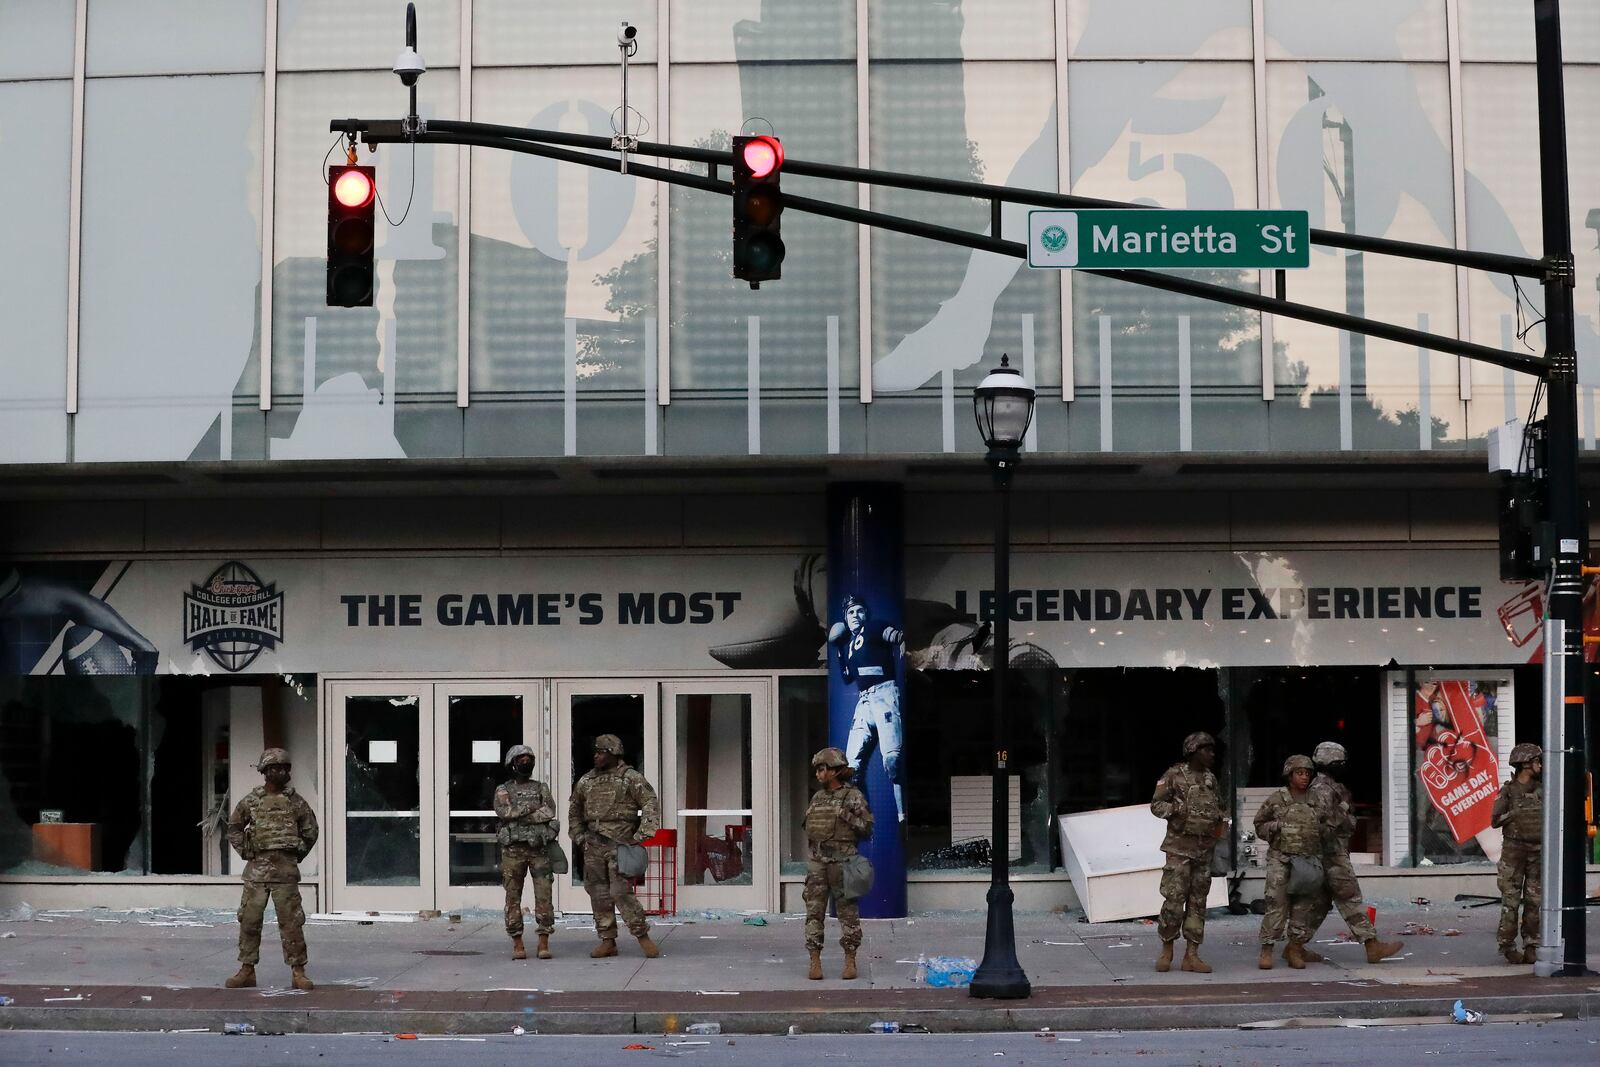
(273, 828)
(527, 814)
(1519, 813)
(1340, 885)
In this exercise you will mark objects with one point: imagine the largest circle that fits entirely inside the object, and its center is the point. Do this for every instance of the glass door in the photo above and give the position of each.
(583, 711)
(719, 795)
(381, 855)
(474, 725)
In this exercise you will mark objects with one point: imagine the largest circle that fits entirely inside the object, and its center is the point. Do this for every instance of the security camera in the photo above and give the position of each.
(626, 35)
(408, 66)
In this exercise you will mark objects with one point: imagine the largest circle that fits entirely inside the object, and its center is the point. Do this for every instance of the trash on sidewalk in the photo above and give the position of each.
(885, 1026)
(681, 1044)
(518, 1031)
(755, 920)
(1416, 928)
(9, 933)
(365, 917)
(6, 1002)
(945, 972)
(794, 1031)
(638, 1048)
(80, 996)
(1462, 1014)
(238, 1028)
(715, 992)
(1421, 902)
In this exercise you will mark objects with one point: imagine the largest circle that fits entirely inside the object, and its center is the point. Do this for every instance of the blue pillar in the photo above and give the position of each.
(866, 561)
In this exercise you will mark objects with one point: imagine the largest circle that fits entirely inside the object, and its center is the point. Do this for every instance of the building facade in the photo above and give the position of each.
(567, 477)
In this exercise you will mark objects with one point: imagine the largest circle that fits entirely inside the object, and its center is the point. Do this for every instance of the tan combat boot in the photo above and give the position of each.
(815, 974)
(298, 979)
(650, 948)
(1511, 954)
(849, 971)
(1530, 953)
(1265, 962)
(517, 951)
(245, 979)
(1164, 961)
(1306, 954)
(1381, 950)
(1192, 960)
(1296, 956)
(607, 947)
(544, 946)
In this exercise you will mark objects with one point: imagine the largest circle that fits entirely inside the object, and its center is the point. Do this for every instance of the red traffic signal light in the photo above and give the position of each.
(758, 248)
(352, 230)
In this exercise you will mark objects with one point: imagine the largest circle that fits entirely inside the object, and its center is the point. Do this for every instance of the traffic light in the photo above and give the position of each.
(1527, 537)
(757, 209)
(352, 230)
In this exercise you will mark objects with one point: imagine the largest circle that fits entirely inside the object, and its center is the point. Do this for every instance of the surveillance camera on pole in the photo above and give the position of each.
(408, 67)
(623, 141)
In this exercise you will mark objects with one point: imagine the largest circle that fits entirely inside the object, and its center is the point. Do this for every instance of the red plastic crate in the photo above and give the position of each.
(658, 890)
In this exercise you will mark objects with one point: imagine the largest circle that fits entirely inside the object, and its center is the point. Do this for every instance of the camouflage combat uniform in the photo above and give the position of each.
(1519, 811)
(527, 814)
(608, 808)
(1340, 886)
(274, 832)
(835, 821)
(1291, 826)
(1188, 800)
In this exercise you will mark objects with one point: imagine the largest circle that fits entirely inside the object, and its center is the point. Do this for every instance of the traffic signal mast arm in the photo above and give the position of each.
(544, 143)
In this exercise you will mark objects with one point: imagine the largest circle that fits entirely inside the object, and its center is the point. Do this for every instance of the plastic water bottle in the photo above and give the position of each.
(883, 1026)
(238, 1028)
(703, 1028)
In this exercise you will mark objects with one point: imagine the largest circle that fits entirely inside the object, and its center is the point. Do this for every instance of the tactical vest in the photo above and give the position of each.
(525, 831)
(1299, 829)
(273, 826)
(1202, 812)
(1526, 821)
(823, 824)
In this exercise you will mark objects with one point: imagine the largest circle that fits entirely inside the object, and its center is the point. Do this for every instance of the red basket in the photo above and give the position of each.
(658, 892)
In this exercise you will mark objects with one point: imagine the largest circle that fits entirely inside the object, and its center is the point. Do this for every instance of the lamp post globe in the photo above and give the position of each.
(1003, 405)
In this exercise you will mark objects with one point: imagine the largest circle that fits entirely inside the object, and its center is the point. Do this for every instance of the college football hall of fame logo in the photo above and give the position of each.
(233, 616)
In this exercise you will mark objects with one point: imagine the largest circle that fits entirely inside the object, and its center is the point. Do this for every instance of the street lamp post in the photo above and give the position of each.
(1003, 406)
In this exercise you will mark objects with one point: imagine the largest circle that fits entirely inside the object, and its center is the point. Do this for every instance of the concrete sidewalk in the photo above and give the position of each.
(163, 969)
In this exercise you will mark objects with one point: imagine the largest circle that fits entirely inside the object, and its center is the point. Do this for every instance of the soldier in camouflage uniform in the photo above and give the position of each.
(527, 814)
(837, 818)
(1292, 822)
(1186, 797)
(1340, 885)
(273, 828)
(1519, 812)
(612, 804)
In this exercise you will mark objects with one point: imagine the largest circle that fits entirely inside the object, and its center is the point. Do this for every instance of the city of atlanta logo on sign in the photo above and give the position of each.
(1052, 238)
(233, 615)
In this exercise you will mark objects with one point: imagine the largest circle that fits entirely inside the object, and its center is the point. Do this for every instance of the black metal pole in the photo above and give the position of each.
(1000, 975)
(1566, 507)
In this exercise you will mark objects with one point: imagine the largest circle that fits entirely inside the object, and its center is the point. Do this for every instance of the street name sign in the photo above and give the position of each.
(1118, 239)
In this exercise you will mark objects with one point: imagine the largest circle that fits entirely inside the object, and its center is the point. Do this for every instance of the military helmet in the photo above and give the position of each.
(518, 750)
(271, 757)
(608, 743)
(1328, 752)
(830, 757)
(1196, 741)
(1526, 752)
(1296, 763)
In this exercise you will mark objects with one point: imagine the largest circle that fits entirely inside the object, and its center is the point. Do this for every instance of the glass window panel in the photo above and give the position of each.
(36, 38)
(366, 34)
(171, 261)
(36, 129)
(1365, 149)
(1178, 135)
(594, 714)
(803, 730)
(1355, 29)
(482, 731)
(746, 31)
(217, 36)
(941, 312)
(564, 274)
(1503, 29)
(715, 824)
(1501, 153)
(383, 791)
(813, 108)
(559, 33)
(354, 361)
(1158, 29)
(917, 29)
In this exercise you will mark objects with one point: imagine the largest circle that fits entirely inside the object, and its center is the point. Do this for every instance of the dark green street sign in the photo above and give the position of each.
(1133, 239)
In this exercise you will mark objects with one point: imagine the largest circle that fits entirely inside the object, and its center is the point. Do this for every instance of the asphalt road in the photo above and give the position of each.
(1559, 1042)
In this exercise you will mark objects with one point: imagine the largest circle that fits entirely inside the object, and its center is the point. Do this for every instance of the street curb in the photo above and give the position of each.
(1584, 1005)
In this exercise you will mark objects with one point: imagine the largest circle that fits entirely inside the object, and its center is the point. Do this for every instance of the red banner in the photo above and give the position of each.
(1457, 763)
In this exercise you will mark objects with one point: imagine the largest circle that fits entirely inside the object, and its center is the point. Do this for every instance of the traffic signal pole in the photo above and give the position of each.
(1565, 504)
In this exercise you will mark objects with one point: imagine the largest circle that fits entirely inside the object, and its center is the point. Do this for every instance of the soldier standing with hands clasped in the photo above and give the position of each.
(1292, 823)
(611, 805)
(1186, 797)
(273, 828)
(837, 818)
(1519, 812)
(527, 814)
